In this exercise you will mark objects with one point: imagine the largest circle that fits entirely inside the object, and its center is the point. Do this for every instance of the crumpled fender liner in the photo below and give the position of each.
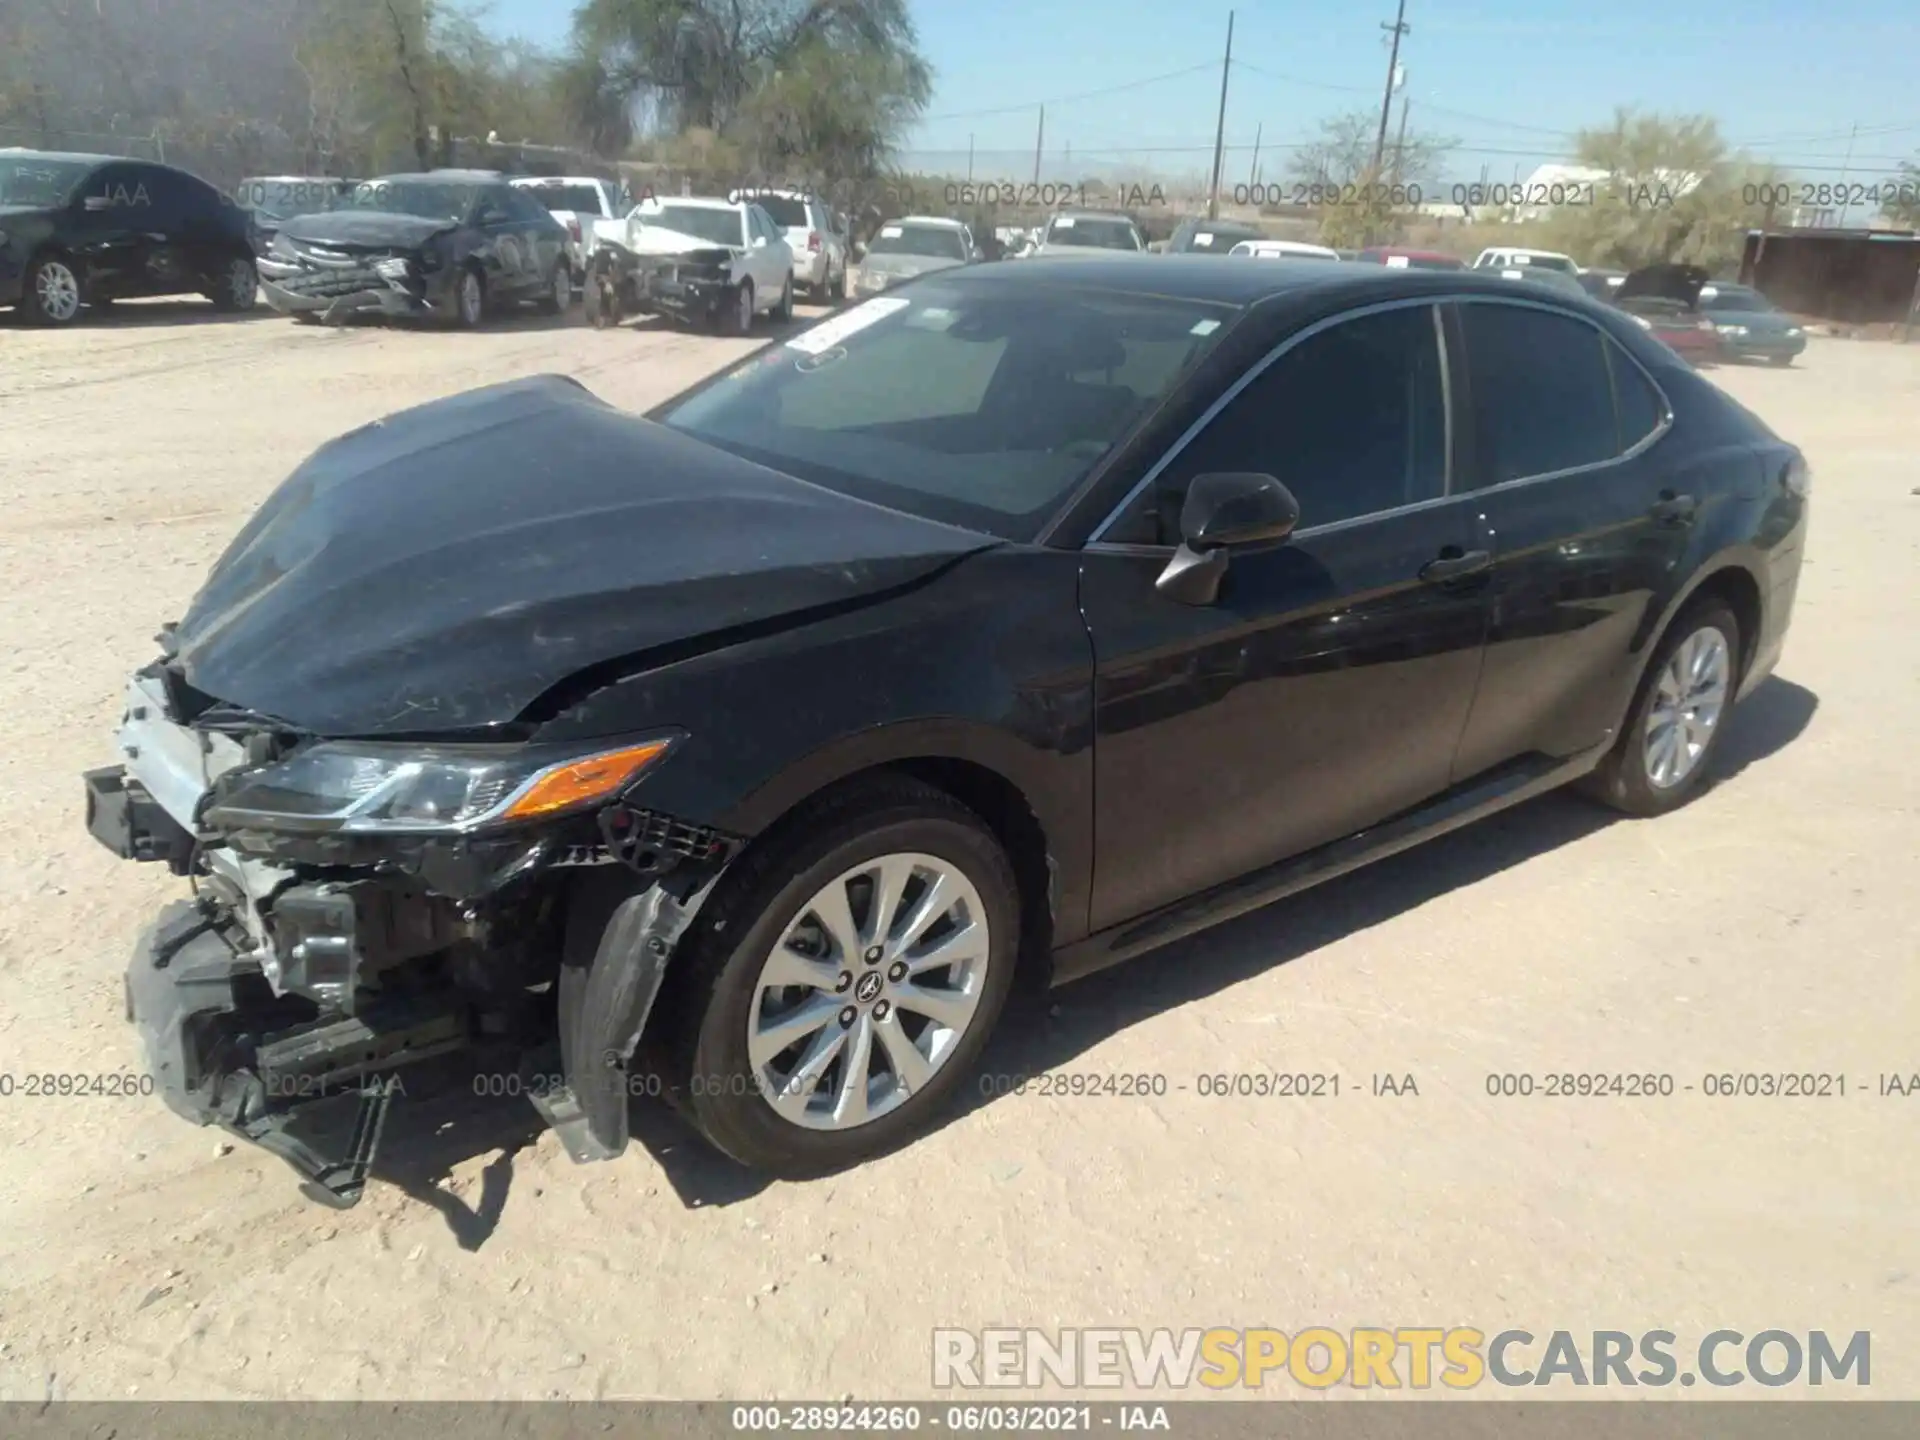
(621, 933)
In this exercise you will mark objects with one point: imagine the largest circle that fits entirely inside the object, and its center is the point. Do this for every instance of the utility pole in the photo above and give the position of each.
(1039, 139)
(969, 155)
(1397, 29)
(1253, 170)
(1400, 140)
(1220, 128)
(1845, 165)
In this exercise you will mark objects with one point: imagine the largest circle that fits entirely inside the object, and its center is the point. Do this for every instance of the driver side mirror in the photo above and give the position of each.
(1224, 511)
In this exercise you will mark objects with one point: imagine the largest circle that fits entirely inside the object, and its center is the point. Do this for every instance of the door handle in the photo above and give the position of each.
(1672, 509)
(1454, 564)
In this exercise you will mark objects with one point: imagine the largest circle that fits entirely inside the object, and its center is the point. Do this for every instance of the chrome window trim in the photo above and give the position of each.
(1253, 373)
(1438, 302)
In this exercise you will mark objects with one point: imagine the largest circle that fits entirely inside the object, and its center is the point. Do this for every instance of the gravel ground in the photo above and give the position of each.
(1770, 926)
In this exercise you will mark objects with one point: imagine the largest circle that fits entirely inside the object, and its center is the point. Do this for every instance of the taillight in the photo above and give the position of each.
(813, 241)
(1797, 478)
(573, 228)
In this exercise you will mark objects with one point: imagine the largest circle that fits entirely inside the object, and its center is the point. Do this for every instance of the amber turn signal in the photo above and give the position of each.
(580, 782)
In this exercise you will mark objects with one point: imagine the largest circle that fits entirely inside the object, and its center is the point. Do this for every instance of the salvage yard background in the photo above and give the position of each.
(1770, 926)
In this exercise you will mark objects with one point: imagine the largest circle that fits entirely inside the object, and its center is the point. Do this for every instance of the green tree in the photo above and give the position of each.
(826, 88)
(1674, 193)
(1359, 206)
(1904, 208)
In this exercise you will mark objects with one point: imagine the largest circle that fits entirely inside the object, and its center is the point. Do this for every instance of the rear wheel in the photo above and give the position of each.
(52, 295)
(738, 319)
(1780, 362)
(236, 289)
(784, 311)
(833, 998)
(1666, 748)
(837, 285)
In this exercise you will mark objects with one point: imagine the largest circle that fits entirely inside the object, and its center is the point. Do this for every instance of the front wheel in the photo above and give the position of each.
(1664, 753)
(1780, 362)
(838, 992)
(559, 297)
(469, 300)
(737, 317)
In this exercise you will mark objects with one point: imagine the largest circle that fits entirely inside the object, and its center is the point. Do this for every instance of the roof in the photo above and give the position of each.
(697, 202)
(1211, 279)
(442, 177)
(1119, 215)
(73, 156)
(532, 180)
(943, 222)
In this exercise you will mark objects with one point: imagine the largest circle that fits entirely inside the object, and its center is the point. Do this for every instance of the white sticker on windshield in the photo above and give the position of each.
(829, 333)
(1396, 262)
(890, 232)
(1205, 237)
(1205, 327)
(1065, 222)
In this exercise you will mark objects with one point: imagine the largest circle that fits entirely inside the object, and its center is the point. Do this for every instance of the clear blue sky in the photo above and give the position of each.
(1509, 78)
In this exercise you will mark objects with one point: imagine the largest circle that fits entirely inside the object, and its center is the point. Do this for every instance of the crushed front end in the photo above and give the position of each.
(332, 282)
(361, 909)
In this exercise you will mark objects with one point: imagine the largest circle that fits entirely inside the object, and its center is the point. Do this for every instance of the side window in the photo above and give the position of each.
(523, 207)
(1352, 420)
(1541, 390)
(1640, 406)
(495, 206)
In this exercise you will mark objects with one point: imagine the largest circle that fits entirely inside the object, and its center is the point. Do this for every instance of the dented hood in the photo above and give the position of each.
(442, 569)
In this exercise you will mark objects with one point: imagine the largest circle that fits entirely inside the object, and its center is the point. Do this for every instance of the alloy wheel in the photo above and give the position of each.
(1688, 699)
(470, 299)
(58, 290)
(868, 991)
(243, 285)
(562, 287)
(743, 311)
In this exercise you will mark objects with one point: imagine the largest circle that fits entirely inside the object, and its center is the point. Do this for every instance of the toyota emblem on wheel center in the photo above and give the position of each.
(868, 987)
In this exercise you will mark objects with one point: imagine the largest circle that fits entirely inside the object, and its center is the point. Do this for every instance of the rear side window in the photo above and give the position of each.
(1542, 392)
(1639, 405)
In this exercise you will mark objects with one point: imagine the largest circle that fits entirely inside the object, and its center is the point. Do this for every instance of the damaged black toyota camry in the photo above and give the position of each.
(1016, 622)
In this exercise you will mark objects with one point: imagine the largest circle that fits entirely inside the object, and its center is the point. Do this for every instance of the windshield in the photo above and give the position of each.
(1400, 260)
(703, 222)
(1216, 242)
(979, 404)
(282, 197)
(784, 210)
(1738, 298)
(1099, 234)
(30, 180)
(931, 240)
(1558, 263)
(428, 199)
(581, 199)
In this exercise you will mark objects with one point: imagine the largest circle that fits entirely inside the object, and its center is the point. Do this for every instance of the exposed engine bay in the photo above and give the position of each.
(311, 968)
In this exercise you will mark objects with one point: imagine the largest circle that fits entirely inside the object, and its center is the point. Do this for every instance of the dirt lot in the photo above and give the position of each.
(1771, 926)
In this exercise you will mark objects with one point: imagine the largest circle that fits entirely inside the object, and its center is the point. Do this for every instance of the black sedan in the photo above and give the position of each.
(453, 244)
(1024, 619)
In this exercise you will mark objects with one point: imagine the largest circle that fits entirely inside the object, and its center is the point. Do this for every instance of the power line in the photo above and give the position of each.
(1070, 99)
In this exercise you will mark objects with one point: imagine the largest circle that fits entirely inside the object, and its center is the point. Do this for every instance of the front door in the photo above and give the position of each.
(1326, 688)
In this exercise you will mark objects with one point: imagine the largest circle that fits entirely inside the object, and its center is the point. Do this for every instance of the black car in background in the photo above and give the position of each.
(1210, 237)
(81, 231)
(270, 199)
(453, 244)
(1024, 620)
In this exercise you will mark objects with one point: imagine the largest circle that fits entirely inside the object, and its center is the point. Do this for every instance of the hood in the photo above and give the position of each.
(370, 228)
(908, 264)
(442, 569)
(659, 240)
(1663, 282)
(32, 212)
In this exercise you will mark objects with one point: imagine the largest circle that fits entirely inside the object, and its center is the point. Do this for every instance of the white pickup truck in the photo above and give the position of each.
(577, 202)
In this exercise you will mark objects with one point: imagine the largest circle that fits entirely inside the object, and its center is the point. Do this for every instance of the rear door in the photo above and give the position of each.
(1326, 688)
(1585, 524)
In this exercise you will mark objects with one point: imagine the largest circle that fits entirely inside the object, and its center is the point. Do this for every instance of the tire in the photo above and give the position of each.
(739, 317)
(236, 290)
(716, 983)
(1628, 779)
(53, 292)
(1780, 362)
(305, 317)
(837, 287)
(559, 297)
(470, 300)
(783, 313)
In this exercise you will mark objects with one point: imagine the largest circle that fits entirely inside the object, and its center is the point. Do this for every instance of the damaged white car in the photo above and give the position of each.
(710, 262)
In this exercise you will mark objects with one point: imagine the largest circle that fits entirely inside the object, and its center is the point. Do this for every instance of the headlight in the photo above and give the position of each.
(1794, 332)
(1735, 330)
(281, 248)
(391, 269)
(385, 787)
